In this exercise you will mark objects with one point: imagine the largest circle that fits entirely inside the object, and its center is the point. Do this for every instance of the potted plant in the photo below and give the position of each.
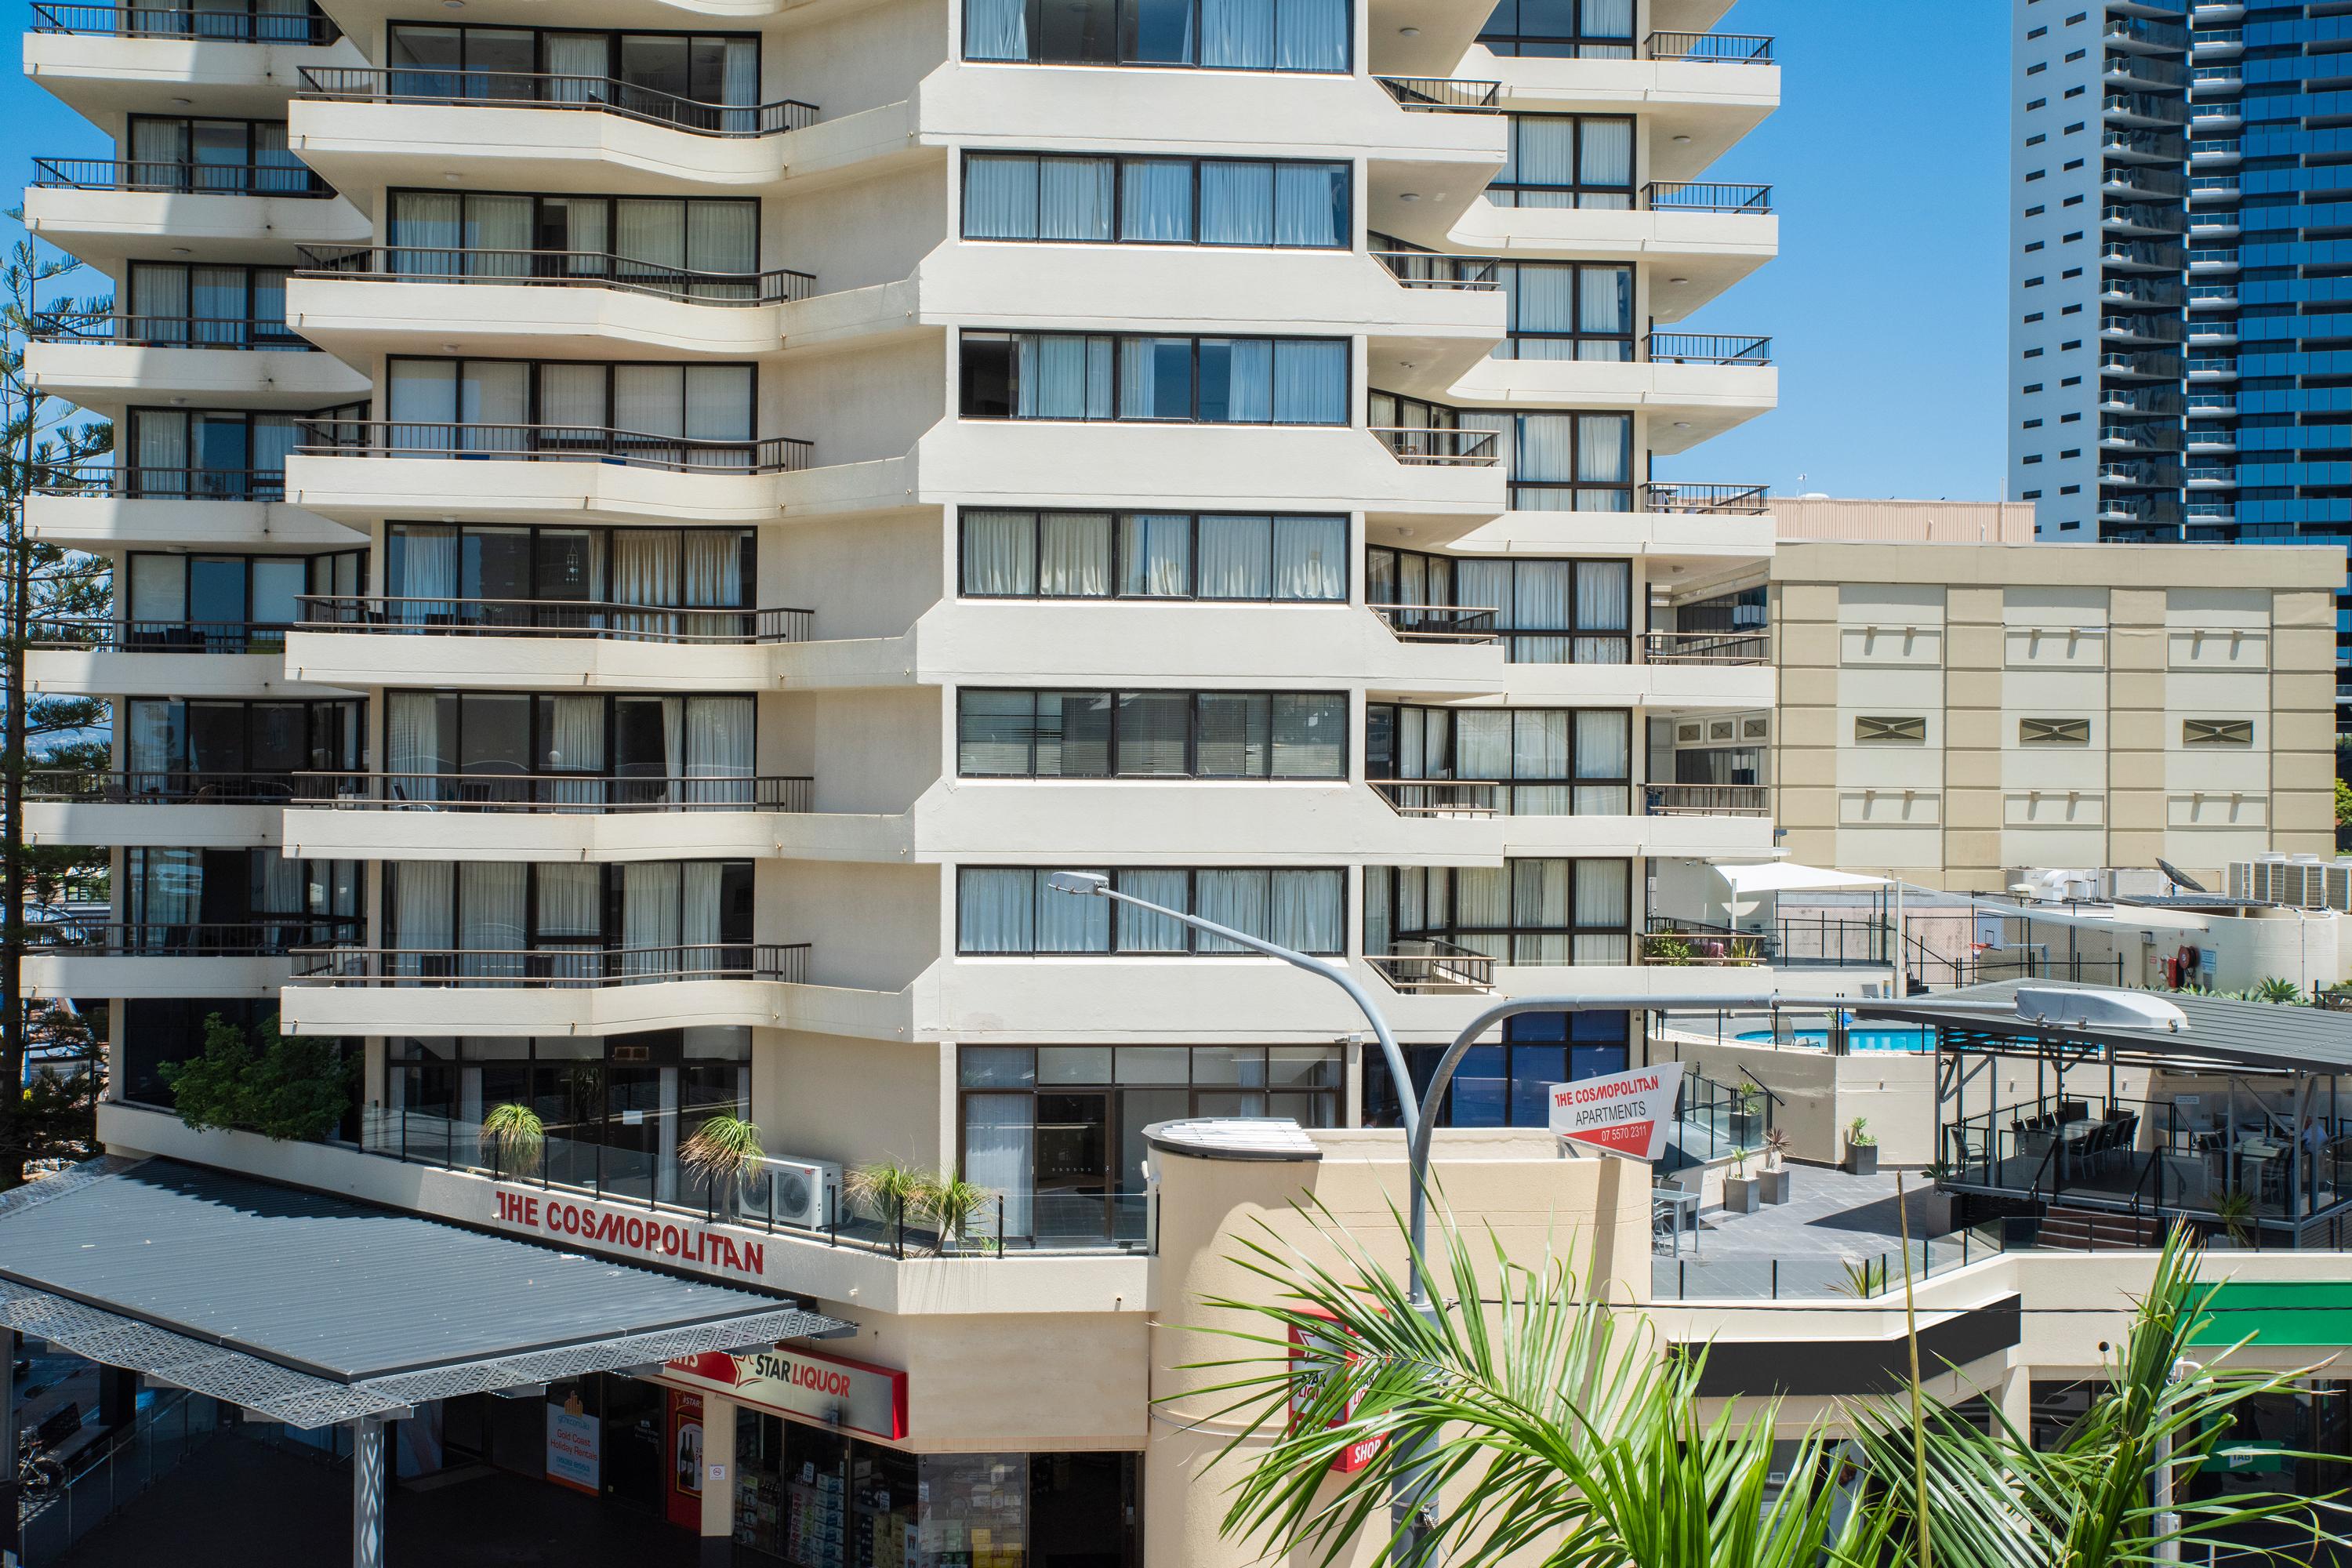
(1938, 1210)
(514, 1137)
(2235, 1210)
(723, 1154)
(954, 1207)
(1860, 1148)
(1665, 948)
(1748, 1113)
(1774, 1178)
(890, 1191)
(1740, 1193)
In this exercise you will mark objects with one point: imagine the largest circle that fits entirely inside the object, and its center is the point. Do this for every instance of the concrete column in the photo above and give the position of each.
(9, 1542)
(717, 1481)
(367, 1492)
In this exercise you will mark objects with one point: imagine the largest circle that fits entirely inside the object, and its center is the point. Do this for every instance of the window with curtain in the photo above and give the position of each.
(1567, 161)
(1567, 311)
(1562, 462)
(645, 920)
(1142, 734)
(1550, 612)
(1231, 381)
(216, 305)
(1552, 761)
(1221, 35)
(217, 454)
(584, 407)
(1525, 911)
(698, 247)
(1560, 29)
(1158, 201)
(1154, 556)
(494, 747)
(1011, 911)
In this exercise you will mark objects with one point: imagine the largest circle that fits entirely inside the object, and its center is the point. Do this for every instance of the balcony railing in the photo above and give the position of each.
(2148, 253)
(1733, 501)
(160, 637)
(2141, 437)
(556, 792)
(264, 936)
(1427, 963)
(2162, 366)
(2145, 69)
(146, 481)
(165, 22)
(2146, 178)
(558, 269)
(1439, 797)
(551, 966)
(1706, 647)
(2146, 30)
(165, 331)
(2150, 329)
(1437, 269)
(1722, 49)
(2145, 106)
(136, 787)
(1707, 800)
(2154, 400)
(1705, 348)
(549, 617)
(1706, 196)
(2157, 146)
(1444, 95)
(1419, 445)
(2156, 220)
(157, 174)
(552, 444)
(533, 89)
(2153, 293)
(1439, 623)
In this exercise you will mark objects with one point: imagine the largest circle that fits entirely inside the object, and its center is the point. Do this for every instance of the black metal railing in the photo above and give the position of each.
(558, 268)
(1438, 270)
(551, 443)
(553, 966)
(170, 22)
(1707, 800)
(554, 792)
(163, 332)
(1706, 647)
(537, 90)
(137, 481)
(1439, 623)
(415, 616)
(1429, 963)
(160, 637)
(1722, 48)
(1421, 445)
(1444, 95)
(1705, 348)
(1706, 196)
(1796, 941)
(164, 174)
(154, 786)
(1734, 501)
(1439, 797)
(263, 936)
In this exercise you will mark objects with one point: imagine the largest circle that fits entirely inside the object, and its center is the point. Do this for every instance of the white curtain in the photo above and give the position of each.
(718, 403)
(649, 399)
(739, 88)
(570, 902)
(1539, 750)
(499, 223)
(1539, 602)
(1000, 552)
(1484, 585)
(159, 589)
(1482, 744)
(1310, 382)
(572, 402)
(700, 918)
(162, 445)
(1603, 449)
(1155, 199)
(1603, 893)
(995, 910)
(1307, 910)
(1482, 897)
(1234, 899)
(1237, 34)
(1236, 203)
(1542, 153)
(649, 919)
(1310, 205)
(1311, 558)
(1606, 159)
(712, 568)
(579, 55)
(996, 29)
(428, 570)
(154, 743)
(415, 747)
(1141, 930)
(1605, 751)
(999, 196)
(495, 393)
(1605, 604)
(491, 928)
(1063, 376)
(1074, 556)
(426, 226)
(421, 892)
(650, 230)
(645, 567)
(159, 302)
(1236, 557)
(1074, 198)
(999, 1143)
(1249, 380)
(1540, 899)
(1155, 554)
(719, 750)
(1310, 34)
(723, 238)
(575, 743)
(1066, 925)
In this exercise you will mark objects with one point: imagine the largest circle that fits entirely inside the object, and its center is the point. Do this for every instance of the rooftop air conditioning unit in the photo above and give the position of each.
(2340, 886)
(804, 1193)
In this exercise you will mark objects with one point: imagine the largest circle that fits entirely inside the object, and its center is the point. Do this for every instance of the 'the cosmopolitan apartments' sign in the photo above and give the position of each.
(1626, 1112)
(655, 1238)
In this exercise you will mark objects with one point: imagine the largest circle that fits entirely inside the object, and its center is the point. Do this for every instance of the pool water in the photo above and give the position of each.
(1861, 1037)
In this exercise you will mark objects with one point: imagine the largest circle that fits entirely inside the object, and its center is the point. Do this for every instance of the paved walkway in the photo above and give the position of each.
(239, 1502)
(1832, 1226)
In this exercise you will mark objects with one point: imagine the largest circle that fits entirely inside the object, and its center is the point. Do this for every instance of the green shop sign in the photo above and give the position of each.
(2279, 1314)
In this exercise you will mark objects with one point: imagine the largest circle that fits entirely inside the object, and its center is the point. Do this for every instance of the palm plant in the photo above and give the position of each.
(722, 1153)
(1994, 1501)
(950, 1204)
(1530, 1425)
(2278, 988)
(513, 1137)
(889, 1189)
(1776, 1146)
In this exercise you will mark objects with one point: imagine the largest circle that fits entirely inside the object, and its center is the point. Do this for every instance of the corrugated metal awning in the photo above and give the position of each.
(312, 1310)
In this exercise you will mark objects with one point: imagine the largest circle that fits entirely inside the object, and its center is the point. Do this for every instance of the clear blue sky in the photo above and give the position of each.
(1886, 304)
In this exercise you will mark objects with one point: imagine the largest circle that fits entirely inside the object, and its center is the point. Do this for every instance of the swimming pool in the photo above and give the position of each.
(1861, 1037)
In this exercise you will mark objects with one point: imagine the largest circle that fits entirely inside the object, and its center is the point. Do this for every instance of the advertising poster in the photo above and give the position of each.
(685, 1493)
(1626, 1112)
(574, 1446)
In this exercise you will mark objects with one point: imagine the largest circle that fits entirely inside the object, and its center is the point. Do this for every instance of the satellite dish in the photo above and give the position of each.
(2180, 877)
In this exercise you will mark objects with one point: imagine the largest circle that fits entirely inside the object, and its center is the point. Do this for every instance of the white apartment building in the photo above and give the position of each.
(643, 534)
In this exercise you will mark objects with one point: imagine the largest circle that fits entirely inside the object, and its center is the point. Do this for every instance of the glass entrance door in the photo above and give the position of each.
(1073, 1165)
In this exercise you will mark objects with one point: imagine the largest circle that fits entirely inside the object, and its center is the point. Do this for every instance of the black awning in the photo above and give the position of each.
(313, 1309)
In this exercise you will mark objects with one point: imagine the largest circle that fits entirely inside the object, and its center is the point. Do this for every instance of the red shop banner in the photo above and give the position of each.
(853, 1395)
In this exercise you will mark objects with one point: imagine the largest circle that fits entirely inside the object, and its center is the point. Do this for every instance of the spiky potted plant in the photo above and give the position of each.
(1741, 1193)
(514, 1139)
(955, 1208)
(1860, 1148)
(1747, 1114)
(890, 1191)
(1773, 1180)
(723, 1155)
(2235, 1210)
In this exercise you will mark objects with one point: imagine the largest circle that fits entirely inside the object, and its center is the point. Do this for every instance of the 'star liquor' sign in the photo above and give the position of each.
(839, 1392)
(1625, 1112)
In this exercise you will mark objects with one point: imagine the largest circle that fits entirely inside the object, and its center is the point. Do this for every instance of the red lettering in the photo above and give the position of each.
(632, 1234)
(670, 1239)
(755, 1258)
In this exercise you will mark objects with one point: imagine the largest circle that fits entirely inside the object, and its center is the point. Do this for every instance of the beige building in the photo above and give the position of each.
(1950, 713)
(1928, 522)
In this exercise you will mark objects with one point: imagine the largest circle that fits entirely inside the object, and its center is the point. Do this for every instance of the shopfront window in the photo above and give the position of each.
(1058, 1130)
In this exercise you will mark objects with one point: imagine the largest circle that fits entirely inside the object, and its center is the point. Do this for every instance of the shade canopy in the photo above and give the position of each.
(1788, 877)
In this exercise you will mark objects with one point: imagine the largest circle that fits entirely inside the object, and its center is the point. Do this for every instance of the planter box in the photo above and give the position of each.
(1775, 1185)
(1742, 1194)
(1747, 1128)
(1939, 1213)
(1862, 1159)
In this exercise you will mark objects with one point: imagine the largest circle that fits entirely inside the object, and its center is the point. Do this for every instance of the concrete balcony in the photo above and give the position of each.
(1693, 253)
(106, 63)
(113, 672)
(100, 516)
(170, 810)
(130, 366)
(247, 959)
(108, 213)
(1693, 110)
(1688, 402)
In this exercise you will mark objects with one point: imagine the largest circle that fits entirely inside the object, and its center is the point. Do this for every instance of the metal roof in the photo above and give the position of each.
(313, 1309)
(2222, 1031)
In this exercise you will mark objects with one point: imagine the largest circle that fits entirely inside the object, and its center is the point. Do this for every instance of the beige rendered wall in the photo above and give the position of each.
(1594, 1212)
(1977, 641)
(1924, 521)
